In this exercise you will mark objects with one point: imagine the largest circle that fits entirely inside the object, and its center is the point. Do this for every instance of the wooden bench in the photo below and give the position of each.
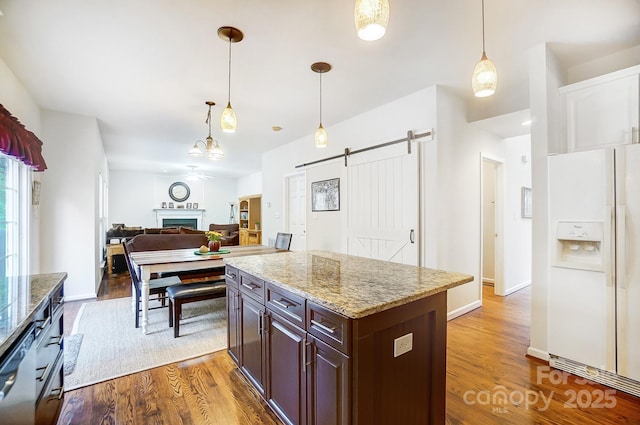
(190, 292)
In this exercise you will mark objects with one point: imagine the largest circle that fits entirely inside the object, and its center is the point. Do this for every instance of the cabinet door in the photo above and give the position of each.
(252, 360)
(328, 385)
(286, 391)
(244, 237)
(233, 328)
(604, 114)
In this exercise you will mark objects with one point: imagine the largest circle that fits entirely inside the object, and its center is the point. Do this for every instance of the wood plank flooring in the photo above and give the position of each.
(490, 380)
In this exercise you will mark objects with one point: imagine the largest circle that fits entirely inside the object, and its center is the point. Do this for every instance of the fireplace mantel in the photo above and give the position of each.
(162, 213)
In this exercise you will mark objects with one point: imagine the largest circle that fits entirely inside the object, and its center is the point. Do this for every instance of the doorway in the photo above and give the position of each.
(492, 259)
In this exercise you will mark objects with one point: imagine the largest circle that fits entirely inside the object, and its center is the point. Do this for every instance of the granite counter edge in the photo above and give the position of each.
(35, 306)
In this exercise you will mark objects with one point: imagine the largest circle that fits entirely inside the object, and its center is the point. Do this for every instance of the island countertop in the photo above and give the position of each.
(352, 286)
(22, 296)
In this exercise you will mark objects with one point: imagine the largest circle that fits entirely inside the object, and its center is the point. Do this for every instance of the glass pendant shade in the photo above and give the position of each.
(321, 138)
(485, 77)
(371, 18)
(215, 153)
(228, 120)
(195, 151)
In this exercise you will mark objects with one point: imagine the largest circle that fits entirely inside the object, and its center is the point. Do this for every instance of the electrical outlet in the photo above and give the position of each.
(402, 345)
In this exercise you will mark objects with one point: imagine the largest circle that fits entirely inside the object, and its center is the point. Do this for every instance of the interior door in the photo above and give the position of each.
(628, 269)
(296, 218)
(383, 204)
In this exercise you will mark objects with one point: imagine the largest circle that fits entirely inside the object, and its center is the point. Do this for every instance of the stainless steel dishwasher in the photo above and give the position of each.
(18, 381)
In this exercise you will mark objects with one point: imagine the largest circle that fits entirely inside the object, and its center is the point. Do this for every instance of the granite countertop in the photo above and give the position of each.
(20, 298)
(352, 286)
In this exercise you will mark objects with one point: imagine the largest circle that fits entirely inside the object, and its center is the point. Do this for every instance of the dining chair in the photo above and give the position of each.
(283, 241)
(156, 286)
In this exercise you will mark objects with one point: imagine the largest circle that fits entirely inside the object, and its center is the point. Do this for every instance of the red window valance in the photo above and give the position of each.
(20, 143)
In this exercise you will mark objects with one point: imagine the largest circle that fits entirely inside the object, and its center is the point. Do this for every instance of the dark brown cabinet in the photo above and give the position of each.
(327, 385)
(252, 343)
(233, 308)
(315, 366)
(286, 386)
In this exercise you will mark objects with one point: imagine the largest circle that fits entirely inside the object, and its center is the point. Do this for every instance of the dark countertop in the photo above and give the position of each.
(352, 286)
(20, 298)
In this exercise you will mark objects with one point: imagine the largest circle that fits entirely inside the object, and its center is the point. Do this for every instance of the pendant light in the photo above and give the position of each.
(371, 18)
(485, 76)
(214, 151)
(321, 138)
(229, 120)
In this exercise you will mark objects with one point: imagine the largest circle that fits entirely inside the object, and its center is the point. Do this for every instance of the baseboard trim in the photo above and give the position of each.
(463, 310)
(517, 287)
(81, 297)
(538, 354)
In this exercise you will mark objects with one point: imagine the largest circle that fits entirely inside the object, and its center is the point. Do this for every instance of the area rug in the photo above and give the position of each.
(112, 347)
(71, 349)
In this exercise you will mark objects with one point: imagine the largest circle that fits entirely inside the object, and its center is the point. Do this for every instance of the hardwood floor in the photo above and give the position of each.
(490, 380)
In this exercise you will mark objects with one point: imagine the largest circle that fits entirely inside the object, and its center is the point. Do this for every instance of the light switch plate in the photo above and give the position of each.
(402, 345)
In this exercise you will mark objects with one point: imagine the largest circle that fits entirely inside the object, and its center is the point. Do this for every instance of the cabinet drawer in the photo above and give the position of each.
(49, 347)
(231, 274)
(252, 287)
(49, 404)
(288, 305)
(329, 327)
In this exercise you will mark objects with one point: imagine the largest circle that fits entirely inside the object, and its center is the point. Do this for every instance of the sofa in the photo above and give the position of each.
(118, 234)
(230, 233)
(157, 242)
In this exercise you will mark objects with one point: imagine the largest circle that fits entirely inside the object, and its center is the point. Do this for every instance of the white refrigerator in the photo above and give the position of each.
(594, 273)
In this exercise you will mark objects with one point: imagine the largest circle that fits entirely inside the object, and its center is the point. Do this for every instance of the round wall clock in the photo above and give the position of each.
(179, 191)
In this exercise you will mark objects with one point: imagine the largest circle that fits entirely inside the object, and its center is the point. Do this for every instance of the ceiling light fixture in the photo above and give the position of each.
(229, 120)
(214, 151)
(372, 18)
(485, 76)
(321, 138)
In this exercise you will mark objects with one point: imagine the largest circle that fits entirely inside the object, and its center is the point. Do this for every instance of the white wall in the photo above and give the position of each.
(134, 195)
(249, 185)
(69, 205)
(450, 181)
(460, 146)
(517, 230)
(17, 100)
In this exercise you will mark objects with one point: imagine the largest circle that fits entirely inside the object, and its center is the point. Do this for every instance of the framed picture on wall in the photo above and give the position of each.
(189, 204)
(195, 205)
(325, 195)
(526, 202)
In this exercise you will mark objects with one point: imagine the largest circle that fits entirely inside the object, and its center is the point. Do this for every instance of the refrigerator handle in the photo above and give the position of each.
(609, 239)
(621, 248)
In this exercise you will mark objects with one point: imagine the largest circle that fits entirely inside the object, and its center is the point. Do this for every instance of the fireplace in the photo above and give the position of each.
(177, 222)
(176, 217)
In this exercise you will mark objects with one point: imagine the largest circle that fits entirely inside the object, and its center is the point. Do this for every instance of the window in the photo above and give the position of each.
(14, 216)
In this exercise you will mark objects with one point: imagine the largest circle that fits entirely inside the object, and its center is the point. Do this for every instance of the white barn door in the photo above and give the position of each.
(383, 204)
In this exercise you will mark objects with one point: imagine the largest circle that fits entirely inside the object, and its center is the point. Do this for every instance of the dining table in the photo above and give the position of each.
(185, 260)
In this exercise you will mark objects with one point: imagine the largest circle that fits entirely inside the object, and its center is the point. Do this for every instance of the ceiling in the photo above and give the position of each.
(144, 68)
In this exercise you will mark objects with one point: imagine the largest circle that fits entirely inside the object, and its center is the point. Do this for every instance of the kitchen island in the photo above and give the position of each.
(329, 338)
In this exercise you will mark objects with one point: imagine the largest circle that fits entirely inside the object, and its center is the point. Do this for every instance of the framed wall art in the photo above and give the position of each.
(325, 195)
